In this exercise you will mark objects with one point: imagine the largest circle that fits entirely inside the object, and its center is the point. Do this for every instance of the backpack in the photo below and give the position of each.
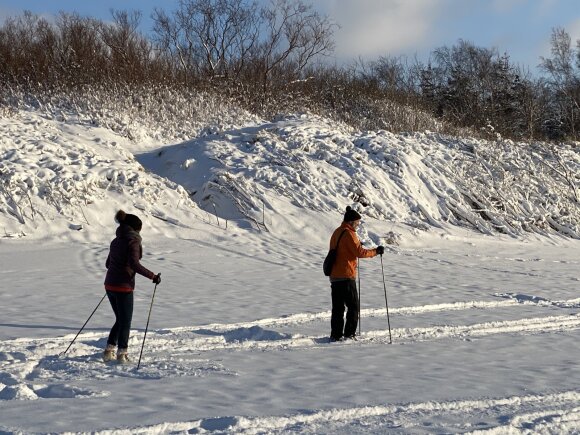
(331, 258)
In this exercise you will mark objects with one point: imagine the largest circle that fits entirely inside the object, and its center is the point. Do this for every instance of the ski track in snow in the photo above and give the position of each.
(29, 367)
(300, 318)
(562, 416)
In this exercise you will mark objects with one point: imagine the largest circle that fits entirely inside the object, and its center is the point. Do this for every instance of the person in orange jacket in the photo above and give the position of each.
(343, 275)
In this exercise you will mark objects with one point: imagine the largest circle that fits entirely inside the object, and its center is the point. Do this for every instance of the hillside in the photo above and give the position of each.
(65, 173)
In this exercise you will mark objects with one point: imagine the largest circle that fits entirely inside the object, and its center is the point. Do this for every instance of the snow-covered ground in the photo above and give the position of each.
(484, 327)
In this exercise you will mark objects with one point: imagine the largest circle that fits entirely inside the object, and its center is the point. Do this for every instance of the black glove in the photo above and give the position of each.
(380, 250)
(157, 279)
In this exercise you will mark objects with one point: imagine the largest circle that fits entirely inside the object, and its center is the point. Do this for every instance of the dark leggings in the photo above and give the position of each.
(122, 304)
(344, 293)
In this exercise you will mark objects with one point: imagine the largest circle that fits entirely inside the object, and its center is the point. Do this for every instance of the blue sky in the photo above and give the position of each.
(370, 28)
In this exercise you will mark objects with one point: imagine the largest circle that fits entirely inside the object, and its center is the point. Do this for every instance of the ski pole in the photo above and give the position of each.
(359, 319)
(147, 327)
(83, 327)
(386, 302)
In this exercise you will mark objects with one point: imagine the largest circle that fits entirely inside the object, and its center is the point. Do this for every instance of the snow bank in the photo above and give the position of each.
(275, 176)
(422, 180)
(58, 178)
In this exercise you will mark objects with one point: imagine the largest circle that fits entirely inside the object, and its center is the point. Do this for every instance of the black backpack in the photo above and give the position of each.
(331, 258)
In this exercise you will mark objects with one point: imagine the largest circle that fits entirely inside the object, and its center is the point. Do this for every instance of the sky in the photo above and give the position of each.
(373, 28)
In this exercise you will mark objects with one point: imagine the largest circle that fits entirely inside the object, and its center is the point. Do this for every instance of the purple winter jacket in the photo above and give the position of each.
(123, 261)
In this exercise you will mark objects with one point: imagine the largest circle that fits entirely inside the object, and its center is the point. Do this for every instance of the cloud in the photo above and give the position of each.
(381, 27)
(507, 6)
(574, 30)
(545, 6)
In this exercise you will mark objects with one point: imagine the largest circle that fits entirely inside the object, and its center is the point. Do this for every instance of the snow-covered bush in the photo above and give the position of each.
(423, 180)
(163, 113)
(315, 162)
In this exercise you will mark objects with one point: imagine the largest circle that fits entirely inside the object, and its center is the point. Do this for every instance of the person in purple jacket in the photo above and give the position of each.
(122, 266)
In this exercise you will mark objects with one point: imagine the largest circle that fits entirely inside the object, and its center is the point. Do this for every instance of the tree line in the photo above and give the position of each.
(271, 57)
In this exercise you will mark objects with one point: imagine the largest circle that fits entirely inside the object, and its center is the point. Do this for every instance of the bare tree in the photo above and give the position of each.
(227, 31)
(478, 88)
(295, 35)
(564, 79)
(129, 53)
(532, 104)
(171, 38)
(209, 37)
(27, 48)
(80, 50)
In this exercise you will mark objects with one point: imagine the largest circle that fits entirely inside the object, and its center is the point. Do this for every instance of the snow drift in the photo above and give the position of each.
(248, 174)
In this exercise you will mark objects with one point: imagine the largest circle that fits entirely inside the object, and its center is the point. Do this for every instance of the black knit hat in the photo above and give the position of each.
(351, 215)
(129, 219)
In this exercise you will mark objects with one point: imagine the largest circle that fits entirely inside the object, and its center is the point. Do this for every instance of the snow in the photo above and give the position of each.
(484, 323)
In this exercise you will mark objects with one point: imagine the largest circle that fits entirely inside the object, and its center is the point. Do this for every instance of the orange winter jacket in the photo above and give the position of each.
(349, 249)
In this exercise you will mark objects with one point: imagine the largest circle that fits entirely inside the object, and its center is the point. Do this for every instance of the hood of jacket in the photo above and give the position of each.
(125, 231)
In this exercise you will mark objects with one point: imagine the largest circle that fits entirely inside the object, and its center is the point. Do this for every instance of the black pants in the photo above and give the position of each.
(344, 293)
(122, 304)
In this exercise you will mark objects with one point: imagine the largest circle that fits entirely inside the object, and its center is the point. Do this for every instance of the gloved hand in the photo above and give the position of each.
(157, 279)
(380, 250)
